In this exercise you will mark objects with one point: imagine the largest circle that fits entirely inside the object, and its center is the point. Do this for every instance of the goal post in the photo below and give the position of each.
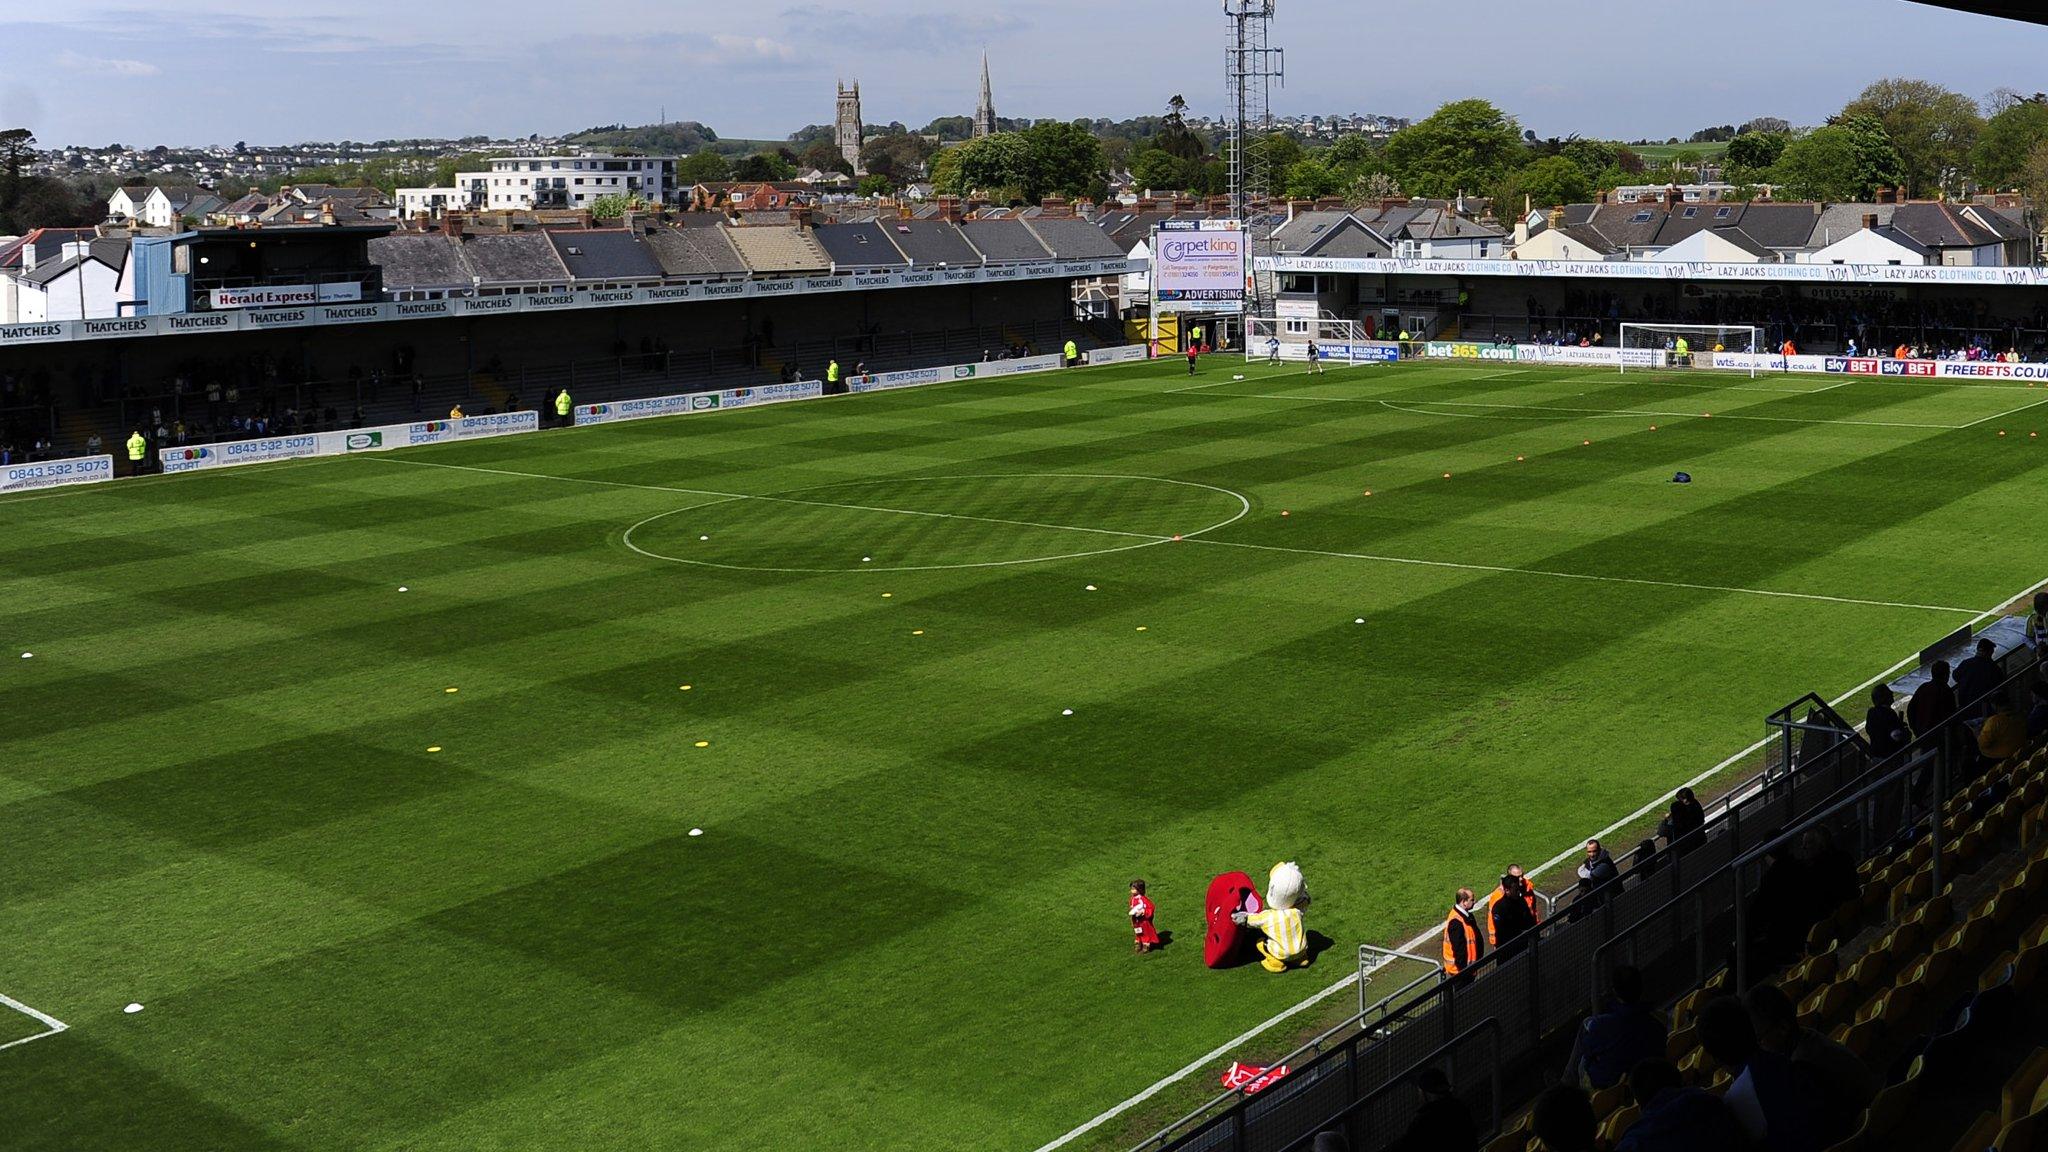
(1286, 338)
(1645, 346)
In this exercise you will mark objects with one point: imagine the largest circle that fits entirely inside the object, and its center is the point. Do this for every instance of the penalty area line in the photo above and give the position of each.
(51, 1025)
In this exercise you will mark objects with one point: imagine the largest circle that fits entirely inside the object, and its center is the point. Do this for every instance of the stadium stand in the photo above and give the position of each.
(1005, 241)
(779, 251)
(860, 248)
(1915, 893)
(606, 258)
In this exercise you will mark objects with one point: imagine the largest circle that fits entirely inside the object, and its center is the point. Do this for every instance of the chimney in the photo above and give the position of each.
(1330, 204)
(1673, 197)
(1603, 197)
(1184, 204)
(1219, 205)
(1884, 196)
(1296, 207)
(1393, 202)
(800, 216)
(327, 213)
(1557, 218)
(975, 204)
(452, 225)
(1870, 221)
(1056, 208)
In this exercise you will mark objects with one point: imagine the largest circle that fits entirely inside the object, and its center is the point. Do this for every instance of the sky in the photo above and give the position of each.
(218, 71)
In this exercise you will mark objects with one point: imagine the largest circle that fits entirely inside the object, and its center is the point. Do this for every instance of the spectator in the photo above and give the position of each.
(1563, 1120)
(2037, 623)
(1647, 861)
(1882, 727)
(1595, 873)
(1611, 1042)
(1933, 702)
(1462, 938)
(1675, 1118)
(1331, 1141)
(1511, 910)
(1685, 819)
(2037, 718)
(1830, 874)
(2004, 733)
(1845, 1086)
(1775, 1110)
(1976, 678)
(1442, 1123)
(1781, 911)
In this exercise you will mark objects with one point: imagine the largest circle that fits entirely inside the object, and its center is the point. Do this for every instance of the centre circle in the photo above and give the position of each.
(927, 523)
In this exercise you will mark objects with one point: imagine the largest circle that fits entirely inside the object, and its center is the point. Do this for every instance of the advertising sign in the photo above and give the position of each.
(56, 473)
(1199, 271)
(285, 295)
(1452, 351)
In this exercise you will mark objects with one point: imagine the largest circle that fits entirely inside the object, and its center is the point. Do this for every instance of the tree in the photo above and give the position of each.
(1370, 190)
(1592, 156)
(992, 163)
(1175, 138)
(951, 128)
(1546, 183)
(2033, 175)
(1714, 135)
(2007, 140)
(1155, 169)
(1464, 144)
(875, 184)
(1281, 153)
(17, 147)
(945, 173)
(763, 166)
(1312, 178)
(1932, 128)
(1846, 161)
(705, 167)
(1768, 124)
(1755, 151)
(1065, 160)
(824, 156)
(614, 206)
(901, 158)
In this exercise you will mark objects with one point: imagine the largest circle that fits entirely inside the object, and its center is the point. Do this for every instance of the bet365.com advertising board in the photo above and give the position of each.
(1199, 266)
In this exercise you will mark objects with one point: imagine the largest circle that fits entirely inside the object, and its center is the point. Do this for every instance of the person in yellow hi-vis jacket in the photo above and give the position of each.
(563, 407)
(138, 453)
(1286, 943)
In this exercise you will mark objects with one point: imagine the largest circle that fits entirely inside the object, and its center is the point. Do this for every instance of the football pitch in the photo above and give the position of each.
(935, 673)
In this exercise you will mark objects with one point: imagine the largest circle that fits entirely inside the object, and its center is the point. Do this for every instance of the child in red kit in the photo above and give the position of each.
(1141, 919)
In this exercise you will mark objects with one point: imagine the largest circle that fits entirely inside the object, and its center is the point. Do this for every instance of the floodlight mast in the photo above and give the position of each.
(1251, 68)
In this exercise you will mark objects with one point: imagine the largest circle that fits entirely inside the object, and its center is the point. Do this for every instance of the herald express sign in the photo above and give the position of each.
(1200, 266)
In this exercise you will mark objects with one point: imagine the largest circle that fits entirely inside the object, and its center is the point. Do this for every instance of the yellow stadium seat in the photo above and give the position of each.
(2027, 968)
(1997, 972)
(1508, 1142)
(1680, 1042)
(1827, 1005)
(2035, 934)
(1980, 1134)
(1617, 1124)
(2025, 1134)
(1608, 1101)
(2017, 1097)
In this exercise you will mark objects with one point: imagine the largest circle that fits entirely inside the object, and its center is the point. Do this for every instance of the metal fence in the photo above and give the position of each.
(1678, 915)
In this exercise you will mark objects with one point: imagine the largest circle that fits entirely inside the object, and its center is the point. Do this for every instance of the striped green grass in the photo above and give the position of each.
(903, 925)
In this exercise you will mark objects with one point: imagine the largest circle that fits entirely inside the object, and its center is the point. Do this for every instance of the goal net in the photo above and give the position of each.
(1646, 346)
(1287, 338)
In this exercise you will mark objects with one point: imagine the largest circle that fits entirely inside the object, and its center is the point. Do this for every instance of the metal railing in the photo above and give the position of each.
(1679, 916)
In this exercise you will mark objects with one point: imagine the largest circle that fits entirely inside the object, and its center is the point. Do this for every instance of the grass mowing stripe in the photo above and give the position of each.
(244, 639)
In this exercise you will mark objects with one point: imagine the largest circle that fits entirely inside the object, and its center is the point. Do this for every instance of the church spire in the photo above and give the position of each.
(985, 114)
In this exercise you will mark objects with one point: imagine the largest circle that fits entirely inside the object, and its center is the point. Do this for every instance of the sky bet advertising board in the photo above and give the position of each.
(1199, 271)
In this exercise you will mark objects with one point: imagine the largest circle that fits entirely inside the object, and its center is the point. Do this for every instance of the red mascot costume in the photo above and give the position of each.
(1228, 943)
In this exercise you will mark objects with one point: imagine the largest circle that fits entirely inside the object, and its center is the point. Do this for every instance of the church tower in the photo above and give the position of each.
(846, 131)
(985, 114)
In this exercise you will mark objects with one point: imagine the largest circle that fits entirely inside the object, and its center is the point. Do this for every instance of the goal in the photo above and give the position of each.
(1692, 346)
(1337, 341)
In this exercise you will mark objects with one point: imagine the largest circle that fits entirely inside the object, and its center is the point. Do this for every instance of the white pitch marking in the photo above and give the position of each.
(1502, 568)
(2003, 415)
(1683, 415)
(50, 1023)
(1148, 539)
(1237, 1042)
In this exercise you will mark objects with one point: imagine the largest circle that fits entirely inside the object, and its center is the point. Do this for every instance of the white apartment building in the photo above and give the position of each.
(518, 182)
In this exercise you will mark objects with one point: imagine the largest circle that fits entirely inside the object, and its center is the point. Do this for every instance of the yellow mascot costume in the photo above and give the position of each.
(1285, 945)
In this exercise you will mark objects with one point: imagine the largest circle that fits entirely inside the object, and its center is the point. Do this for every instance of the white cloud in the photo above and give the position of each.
(729, 49)
(105, 66)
